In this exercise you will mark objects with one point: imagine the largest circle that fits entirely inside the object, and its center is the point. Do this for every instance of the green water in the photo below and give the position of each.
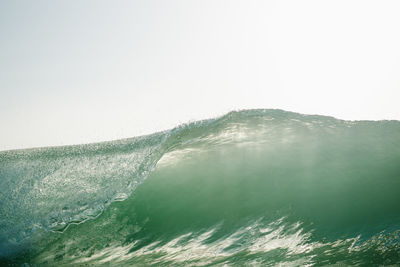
(251, 188)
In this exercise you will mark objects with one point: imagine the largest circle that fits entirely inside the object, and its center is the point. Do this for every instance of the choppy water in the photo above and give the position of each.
(251, 188)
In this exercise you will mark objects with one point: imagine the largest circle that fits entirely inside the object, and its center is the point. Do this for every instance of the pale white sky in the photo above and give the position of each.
(85, 71)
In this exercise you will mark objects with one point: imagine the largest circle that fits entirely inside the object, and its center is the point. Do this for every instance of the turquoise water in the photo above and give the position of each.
(251, 188)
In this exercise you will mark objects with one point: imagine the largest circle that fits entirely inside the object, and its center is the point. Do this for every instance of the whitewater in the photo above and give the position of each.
(250, 188)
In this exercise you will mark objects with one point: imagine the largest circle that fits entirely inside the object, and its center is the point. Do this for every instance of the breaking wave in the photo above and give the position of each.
(253, 187)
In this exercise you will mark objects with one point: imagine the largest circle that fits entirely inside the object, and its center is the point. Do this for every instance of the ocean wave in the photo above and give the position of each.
(253, 187)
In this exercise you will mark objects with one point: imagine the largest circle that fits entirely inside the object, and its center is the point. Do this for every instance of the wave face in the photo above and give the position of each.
(251, 188)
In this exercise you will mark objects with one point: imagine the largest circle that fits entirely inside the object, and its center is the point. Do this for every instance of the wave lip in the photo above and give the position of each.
(49, 188)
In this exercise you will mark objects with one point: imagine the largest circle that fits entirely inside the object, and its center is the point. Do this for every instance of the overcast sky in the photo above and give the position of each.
(85, 71)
